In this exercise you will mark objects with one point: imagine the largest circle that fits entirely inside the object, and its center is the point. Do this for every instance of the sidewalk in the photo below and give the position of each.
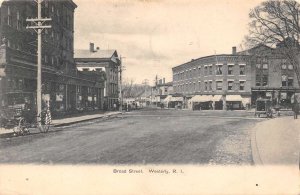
(67, 121)
(276, 142)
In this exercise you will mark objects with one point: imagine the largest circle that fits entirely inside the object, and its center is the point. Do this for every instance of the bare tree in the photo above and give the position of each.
(274, 23)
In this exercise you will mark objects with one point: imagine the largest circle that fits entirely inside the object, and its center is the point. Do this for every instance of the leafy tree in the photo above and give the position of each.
(277, 23)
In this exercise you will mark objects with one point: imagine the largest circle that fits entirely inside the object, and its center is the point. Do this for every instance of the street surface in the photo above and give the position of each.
(147, 136)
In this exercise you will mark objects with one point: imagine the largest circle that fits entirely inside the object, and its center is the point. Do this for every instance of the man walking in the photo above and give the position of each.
(296, 109)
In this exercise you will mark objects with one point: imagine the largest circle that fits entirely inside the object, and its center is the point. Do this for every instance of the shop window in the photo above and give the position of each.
(230, 70)
(242, 85)
(230, 85)
(265, 80)
(290, 81)
(284, 80)
(219, 70)
(242, 70)
(219, 85)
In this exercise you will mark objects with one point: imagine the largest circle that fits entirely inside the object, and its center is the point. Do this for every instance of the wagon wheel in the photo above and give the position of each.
(21, 128)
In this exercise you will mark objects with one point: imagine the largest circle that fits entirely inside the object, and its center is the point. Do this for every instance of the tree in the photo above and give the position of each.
(276, 23)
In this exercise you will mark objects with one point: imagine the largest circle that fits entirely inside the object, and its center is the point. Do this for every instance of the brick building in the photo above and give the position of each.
(62, 85)
(107, 61)
(236, 80)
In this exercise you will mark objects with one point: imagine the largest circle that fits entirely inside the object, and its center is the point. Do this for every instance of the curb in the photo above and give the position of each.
(255, 152)
(10, 134)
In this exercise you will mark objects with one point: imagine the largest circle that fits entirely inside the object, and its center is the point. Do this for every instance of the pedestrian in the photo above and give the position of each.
(296, 109)
(115, 106)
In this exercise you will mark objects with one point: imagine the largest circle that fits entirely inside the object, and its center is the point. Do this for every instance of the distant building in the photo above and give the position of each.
(234, 81)
(102, 61)
(62, 85)
(160, 91)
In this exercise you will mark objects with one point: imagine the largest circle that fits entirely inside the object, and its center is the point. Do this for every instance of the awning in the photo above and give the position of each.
(168, 98)
(234, 98)
(176, 99)
(201, 98)
(217, 98)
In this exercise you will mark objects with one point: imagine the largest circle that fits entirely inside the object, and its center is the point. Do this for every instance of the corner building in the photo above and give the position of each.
(62, 85)
(237, 80)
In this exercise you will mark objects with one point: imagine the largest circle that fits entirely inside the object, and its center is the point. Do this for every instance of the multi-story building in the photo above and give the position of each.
(236, 80)
(62, 85)
(106, 61)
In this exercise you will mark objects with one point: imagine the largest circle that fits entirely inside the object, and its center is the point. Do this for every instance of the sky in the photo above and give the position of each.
(153, 36)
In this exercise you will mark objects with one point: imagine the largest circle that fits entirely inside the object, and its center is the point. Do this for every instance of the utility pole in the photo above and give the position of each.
(120, 83)
(37, 24)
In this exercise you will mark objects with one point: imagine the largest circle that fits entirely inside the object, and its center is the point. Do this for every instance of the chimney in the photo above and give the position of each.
(233, 50)
(92, 47)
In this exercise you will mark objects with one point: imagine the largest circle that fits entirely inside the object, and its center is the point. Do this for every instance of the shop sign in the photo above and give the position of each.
(283, 95)
(59, 97)
(90, 98)
(268, 94)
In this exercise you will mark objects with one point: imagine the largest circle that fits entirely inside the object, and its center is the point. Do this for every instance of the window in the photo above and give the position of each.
(210, 70)
(265, 66)
(46, 59)
(205, 70)
(19, 23)
(219, 70)
(290, 67)
(242, 70)
(210, 86)
(52, 60)
(242, 85)
(230, 69)
(9, 19)
(265, 80)
(230, 85)
(284, 80)
(205, 86)
(258, 66)
(199, 70)
(199, 85)
(219, 85)
(283, 66)
(290, 81)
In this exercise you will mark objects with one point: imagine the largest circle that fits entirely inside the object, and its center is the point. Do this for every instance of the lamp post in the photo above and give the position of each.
(37, 24)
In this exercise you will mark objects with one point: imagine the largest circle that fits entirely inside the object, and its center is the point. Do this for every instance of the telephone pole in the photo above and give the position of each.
(120, 83)
(37, 24)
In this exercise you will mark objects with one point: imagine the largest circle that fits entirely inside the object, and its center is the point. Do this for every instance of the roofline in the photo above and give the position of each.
(219, 55)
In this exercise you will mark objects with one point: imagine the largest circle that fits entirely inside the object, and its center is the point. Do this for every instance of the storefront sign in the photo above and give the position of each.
(268, 94)
(283, 95)
(59, 97)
